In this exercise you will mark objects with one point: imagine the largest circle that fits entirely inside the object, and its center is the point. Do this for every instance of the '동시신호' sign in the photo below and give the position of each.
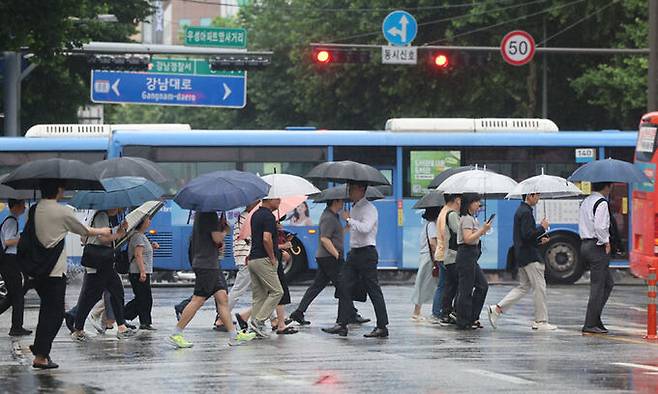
(399, 55)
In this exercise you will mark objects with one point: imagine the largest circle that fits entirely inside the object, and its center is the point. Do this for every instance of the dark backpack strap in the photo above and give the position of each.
(597, 203)
(452, 243)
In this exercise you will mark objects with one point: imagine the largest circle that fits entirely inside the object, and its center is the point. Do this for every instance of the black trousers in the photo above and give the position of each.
(11, 274)
(450, 289)
(472, 288)
(52, 292)
(361, 262)
(327, 272)
(92, 291)
(601, 281)
(142, 304)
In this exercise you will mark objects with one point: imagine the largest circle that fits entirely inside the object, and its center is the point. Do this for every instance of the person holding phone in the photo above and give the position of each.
(528, 236)
(473, 286)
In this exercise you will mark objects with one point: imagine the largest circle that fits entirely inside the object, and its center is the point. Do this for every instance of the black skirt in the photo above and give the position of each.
(285, 299)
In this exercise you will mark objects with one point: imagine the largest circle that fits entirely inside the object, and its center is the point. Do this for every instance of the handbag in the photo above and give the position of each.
(123, 262)
(97, 256)
(36, 260)
(435, 264)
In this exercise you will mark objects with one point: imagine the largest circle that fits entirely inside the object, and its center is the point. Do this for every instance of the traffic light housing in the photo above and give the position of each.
(324, 56)
(441, 61)
(119, 62)
(239, 62)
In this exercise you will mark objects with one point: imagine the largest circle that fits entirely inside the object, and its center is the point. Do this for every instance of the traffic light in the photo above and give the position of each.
(240, 62)
(441, 61)
(339, 56)
(119, 62)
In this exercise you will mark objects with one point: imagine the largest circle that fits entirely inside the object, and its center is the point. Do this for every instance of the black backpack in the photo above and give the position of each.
(616, 245)
(36, 260)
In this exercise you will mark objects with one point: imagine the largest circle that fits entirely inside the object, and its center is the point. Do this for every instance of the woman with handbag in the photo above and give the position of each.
(140, 253)
(427, 277)
(98, 258)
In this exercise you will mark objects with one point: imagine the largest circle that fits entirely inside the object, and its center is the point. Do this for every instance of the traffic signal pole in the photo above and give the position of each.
(652, 91)
(12, 93)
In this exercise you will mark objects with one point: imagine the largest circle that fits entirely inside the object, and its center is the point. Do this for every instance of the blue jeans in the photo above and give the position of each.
(437, 303)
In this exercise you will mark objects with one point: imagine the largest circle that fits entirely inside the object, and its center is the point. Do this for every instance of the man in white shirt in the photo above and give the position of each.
(52, 221)
(594, 229)
(361, 263)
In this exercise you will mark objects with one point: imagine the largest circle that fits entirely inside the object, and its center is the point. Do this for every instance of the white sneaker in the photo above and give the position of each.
(492, 311)
(258, 329)
(80, 336)
(433, 320)
(543, 326)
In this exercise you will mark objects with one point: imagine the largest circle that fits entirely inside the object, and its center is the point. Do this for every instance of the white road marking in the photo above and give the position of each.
(499, 376)
(639, 366)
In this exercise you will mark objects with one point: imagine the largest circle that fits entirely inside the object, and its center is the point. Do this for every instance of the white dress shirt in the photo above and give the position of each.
(594, 226)
(363, 224)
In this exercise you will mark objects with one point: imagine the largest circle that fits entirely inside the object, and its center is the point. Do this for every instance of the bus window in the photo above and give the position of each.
(380, 157)
(11, 160)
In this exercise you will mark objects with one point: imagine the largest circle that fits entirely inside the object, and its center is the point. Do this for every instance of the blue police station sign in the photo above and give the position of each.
(399, 28)
(168, 89)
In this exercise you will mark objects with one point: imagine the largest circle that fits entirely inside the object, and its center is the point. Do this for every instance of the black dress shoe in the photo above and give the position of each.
(49, 365)
(299, 318)
(337, 329)
(377, 333)
(19, 332)
(358, 319)
(594, 330)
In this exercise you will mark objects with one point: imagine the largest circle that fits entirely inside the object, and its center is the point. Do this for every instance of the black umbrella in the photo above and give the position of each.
(131, 166)
(447, 174)
(340, 193)
(75, 175)
(347, 172)
(432, 199)
(7, 192)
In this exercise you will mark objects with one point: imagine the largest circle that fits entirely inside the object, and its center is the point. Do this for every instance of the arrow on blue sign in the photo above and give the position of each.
(399, 28)
(227, 91)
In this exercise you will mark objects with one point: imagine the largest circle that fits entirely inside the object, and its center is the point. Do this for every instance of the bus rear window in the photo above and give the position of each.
(646, 143)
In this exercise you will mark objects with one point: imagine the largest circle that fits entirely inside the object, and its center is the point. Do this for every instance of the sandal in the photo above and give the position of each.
(287, 331)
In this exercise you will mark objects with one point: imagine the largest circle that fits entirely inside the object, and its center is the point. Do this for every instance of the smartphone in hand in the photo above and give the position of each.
(493, 215)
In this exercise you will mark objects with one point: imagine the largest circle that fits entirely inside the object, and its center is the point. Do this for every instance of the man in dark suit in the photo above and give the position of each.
(527, 238)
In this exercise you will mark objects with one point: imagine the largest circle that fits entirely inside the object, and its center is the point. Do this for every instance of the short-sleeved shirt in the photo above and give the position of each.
(262, 221)
(206, 254)
(139, 239)
(331, 228)
(429, 232)
(467, 222)
(53, 221)
(241, 247)
(453, 224)
(9, 231)
(100, 219)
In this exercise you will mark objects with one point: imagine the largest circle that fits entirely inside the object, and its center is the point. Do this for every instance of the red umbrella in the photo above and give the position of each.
(288, 204)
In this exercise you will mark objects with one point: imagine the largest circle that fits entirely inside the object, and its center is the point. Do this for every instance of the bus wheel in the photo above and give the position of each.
(298, 263)
(563, 263)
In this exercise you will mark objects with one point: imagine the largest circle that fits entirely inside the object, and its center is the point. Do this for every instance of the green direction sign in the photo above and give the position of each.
(185, 66)
(221, 37)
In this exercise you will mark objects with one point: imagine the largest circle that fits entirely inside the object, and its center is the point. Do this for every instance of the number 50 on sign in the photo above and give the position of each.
(517, 47)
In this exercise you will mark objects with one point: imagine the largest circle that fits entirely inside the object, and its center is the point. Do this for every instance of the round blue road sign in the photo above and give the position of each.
(399, 28)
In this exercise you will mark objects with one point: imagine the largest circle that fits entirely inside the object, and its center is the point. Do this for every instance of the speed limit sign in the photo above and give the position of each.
(517, 47)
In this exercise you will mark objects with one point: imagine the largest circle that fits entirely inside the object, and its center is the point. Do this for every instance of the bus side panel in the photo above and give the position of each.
(505, 229)
(643, 242)
(387, 244)
(412, 230)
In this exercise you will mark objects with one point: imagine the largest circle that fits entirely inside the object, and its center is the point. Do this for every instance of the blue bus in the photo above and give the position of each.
(409, 153)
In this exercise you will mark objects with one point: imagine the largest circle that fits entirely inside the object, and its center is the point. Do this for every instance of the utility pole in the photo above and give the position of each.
(652, 99)
(12, 93)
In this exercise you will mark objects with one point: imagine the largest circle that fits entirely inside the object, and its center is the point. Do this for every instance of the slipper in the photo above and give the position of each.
(49, 365)
(287, 331)
(221, 328)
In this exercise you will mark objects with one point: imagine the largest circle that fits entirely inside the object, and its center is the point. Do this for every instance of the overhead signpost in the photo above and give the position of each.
(171, 65)
(222, 37)
(517, 47)
(113, 87)
(400, 29)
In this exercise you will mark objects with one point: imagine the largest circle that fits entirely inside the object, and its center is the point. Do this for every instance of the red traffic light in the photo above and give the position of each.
(441, 60)
(322, 56)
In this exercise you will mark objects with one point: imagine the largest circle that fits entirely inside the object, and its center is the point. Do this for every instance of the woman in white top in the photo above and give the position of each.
(426, 283)
(473, 286)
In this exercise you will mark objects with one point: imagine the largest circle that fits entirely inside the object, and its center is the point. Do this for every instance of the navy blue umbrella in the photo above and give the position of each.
(609, 170)
(125, 191)
(221, 191)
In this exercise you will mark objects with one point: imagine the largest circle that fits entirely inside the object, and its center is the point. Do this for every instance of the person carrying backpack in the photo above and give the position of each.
(10, 268)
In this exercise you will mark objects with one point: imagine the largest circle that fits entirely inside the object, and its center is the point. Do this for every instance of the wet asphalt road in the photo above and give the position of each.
(417, 357)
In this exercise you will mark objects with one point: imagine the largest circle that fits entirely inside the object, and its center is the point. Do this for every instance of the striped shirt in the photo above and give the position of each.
(241, 247)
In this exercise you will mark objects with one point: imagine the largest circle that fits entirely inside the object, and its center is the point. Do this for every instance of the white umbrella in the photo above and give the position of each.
(285, 185)
(548, 186)
(484, 182)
